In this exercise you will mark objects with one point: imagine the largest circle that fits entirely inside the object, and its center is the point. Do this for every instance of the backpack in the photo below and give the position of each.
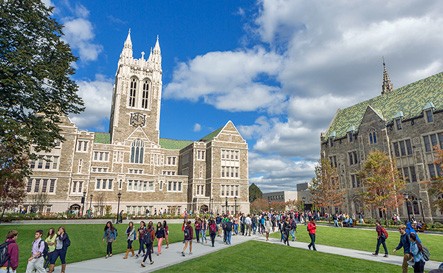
(45, 249)
(187, 233)
(147, 237)
(384, 233)
(426, 253)
(293, 224)
(213, 228)
(4, 254)
(229, 226)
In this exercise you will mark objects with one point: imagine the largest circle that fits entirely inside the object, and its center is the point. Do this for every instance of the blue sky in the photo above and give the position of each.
(278, 69)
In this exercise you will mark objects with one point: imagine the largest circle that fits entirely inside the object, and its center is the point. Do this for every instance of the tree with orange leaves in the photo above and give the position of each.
(382, 183)
(436, 187)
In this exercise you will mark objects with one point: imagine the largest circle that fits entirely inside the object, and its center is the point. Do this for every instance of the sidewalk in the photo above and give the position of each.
(172, 256)
(169, 257)
(359, 254)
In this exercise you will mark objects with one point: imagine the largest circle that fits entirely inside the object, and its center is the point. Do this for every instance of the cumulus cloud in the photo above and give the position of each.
(97, 95)
(197, 127)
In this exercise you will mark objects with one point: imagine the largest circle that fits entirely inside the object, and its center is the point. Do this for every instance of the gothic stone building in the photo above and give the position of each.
(151, 173)
(404, 123)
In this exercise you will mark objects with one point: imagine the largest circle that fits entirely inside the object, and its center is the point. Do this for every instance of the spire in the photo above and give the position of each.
(127, 47)
(157, 47)
(156, 57)
(387, 85)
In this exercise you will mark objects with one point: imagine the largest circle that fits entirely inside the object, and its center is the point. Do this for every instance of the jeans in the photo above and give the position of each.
(58, 253)
(381, 241)
(109, 248)
(213, 238)
(254, 228)
(228, 237)
(203, 235)
(148, 252)
(197, 234)
(419, 267)
(312, 244)
(142, 247)
(236, 229)
(292, 233)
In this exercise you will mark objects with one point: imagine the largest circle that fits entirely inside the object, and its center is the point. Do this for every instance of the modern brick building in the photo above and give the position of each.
(404, 123)
(151, 173)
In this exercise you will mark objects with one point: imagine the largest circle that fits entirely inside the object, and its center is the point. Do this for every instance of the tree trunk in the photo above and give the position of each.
(3, 213)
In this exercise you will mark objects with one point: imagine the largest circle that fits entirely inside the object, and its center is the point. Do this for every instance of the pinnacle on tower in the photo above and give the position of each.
(157, 47)
(127, 47)
(387, 85)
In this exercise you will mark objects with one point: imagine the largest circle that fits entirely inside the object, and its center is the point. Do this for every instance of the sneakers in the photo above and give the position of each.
(143, 265)
(106, 256)
(151, 262)
(183, 254)
(386, 255)
(375, 254)
(190, 253)
(136, 256)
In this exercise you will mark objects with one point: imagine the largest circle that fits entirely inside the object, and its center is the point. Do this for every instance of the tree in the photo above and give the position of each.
(382, 183)
(35, 88)
(260, 205)
(325, 188)
(39, 200)
(436, 187)
(254, 193)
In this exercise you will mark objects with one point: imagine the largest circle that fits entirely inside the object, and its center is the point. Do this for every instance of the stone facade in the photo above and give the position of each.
(404, 123)
(89, 169)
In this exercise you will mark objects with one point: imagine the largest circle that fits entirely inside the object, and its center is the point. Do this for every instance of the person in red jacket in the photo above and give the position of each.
(12, 264)
(311, 229)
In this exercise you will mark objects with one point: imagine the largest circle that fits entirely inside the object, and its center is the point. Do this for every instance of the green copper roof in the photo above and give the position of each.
(172, 144)
(211, 136)
(104, 138)
(409, 99)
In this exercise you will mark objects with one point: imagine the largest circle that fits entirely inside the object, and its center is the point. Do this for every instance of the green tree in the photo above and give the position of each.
(325, 188)
(382, 183)
(254, 193)
(36, 90)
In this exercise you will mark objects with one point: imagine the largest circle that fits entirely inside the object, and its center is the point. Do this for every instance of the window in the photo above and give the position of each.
(135, 171)
(118, 156)
(372, 137)
(429, 116)
(47, 162)
(433, 140)
(101, 156)
(39, 185)
(77, 187)
(132, 92)
(355, 181)
(201, 155)
(398, 124)
(104, 184)
(99, 169)
(80, 165)
(226, 155)
(169, 172)
(145, 97)
(171, 160)
(408, 174)
(434, 170)
(174, 186)
(333, 160)
(137, 152)
(82, 145)
(402, 148)
(353, 159)
(229, 190)
(331, 142)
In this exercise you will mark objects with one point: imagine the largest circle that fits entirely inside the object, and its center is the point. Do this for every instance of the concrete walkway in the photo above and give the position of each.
(172, 256)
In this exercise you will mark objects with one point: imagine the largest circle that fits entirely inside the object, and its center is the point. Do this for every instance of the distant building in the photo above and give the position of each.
(280, 196)
(304, 195)
(153, 174)
(404, 123)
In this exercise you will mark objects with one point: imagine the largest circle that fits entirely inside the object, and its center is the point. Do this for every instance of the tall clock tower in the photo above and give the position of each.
(135, 111)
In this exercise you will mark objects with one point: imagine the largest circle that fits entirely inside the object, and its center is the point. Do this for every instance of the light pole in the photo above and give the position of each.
(235, 205)
(226, 204)
(119, 195)
(90, 201)
(406, 196)
(83, 202)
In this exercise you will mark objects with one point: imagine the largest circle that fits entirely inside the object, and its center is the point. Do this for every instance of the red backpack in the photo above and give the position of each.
(384, 232)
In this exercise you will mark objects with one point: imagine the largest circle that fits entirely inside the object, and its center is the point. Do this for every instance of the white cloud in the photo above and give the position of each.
(79, 35)
(97, 96)
(197, 127)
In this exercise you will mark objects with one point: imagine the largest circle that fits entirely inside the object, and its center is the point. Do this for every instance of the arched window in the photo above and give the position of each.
(415, 206)
(137, 151)
(133, 92)
(372, 137)
(145, 97)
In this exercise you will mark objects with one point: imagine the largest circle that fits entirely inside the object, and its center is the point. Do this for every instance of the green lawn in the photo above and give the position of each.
(267, 258)
(359, 239)
(86, 240)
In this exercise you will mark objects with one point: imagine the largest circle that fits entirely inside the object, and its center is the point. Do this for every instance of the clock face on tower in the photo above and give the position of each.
(137, 119)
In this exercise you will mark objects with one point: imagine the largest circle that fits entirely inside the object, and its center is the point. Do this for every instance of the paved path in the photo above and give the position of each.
(172, 256)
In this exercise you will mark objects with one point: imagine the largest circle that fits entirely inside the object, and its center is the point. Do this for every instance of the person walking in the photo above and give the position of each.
(36, 261)
(166, 227)
(406, 245)
(160, 235)
(381, 239)
(286, 228)
(110, 235)
(204, 226)
(51, 241)
(197, 225)
(11, 264)
(248, 225)
(293, 227)
(267, 227)
(311, 230)
(417, 252)
(188, 235)
(62, 242)
(148, 240)
(140, 233)
(212, 230)
(131, 236)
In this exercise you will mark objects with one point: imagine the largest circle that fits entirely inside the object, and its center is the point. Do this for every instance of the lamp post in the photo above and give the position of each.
(235, 205)
(83, 202)
(226, 204)
(421, 207)
(90, 201)
(119, 195)
(406, 196)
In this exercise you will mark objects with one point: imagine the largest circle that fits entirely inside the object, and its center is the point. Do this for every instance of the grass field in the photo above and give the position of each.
(86, 240)
(362, 239)
(253, 256)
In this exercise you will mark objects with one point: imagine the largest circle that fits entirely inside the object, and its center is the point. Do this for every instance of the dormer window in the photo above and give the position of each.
(428, 112)
(351, 134)
(397, 120)
(331, 139)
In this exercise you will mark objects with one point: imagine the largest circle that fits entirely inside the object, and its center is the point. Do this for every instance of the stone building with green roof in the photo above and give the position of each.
(131, 168)
(404, 123)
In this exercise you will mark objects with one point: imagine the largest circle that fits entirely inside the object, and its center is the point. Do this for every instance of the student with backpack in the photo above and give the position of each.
(148, 240)
(9, 253)
(229, 225)
(382, 235)
(188, 235)
(131, 234)
(293, 228)
(212, 230)
(110, 235)
(50, 240)
(140, 233)
(416, 250)
(36, 261)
